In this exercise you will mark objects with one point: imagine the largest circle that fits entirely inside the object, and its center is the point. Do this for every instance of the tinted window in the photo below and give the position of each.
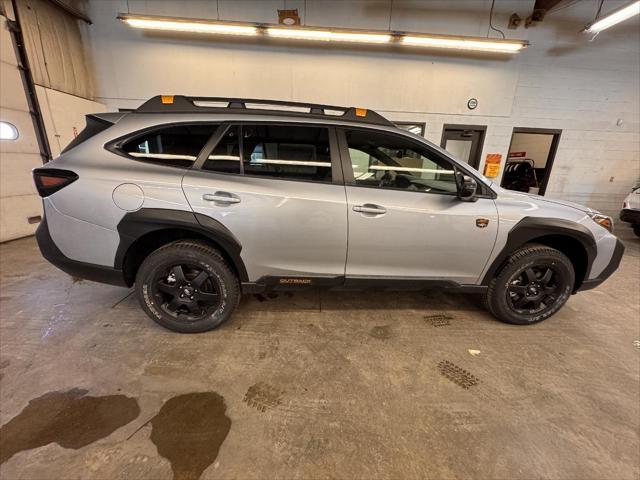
(176, 145)
(225, 157)
(290, 152)
(391, 161)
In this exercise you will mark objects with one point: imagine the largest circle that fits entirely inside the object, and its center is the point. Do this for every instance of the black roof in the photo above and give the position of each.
(185, 104)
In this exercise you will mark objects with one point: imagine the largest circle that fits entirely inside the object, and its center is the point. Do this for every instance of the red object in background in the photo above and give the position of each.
(517, 154)
(75, 132)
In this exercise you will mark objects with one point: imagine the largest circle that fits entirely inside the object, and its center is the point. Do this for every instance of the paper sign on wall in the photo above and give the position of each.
(492, 165)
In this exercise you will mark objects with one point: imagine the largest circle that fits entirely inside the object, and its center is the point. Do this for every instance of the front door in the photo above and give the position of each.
(405, 220)
(464, 142)
(278, 192)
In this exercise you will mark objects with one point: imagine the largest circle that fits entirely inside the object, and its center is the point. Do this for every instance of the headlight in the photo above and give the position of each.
(602, 220)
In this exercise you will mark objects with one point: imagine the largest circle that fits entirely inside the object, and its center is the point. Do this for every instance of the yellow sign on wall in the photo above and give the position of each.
(492, 165)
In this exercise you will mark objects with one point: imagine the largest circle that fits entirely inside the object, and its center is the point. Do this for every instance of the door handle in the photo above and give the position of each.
(221, 197)
(370, 208)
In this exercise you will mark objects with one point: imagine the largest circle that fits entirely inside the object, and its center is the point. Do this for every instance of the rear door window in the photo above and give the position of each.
(176, 145)
(291, 152)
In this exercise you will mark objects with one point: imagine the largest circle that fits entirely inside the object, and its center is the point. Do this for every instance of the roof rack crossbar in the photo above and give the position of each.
(188, 104)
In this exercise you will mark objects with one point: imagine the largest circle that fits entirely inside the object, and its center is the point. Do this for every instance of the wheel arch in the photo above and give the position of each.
(147, 229)
(572, 239)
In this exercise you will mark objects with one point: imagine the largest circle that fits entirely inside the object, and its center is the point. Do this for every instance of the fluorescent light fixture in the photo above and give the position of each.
(478, 44)
(461, 43)
(613, 18)
(194, 26)
(328, 35)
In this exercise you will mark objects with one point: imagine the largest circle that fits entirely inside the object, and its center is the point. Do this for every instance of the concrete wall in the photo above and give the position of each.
(589, 90)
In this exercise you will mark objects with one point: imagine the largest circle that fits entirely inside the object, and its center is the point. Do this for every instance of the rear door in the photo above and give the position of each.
(405, 220)
(279, 189)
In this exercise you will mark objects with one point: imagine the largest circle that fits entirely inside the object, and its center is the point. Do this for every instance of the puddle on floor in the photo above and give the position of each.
(71, 419)
(189, 430)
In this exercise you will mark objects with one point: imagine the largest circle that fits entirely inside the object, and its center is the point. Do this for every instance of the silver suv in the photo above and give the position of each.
(198, 200)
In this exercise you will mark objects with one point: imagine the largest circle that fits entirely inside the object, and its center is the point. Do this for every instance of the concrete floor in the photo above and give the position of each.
(310, 385)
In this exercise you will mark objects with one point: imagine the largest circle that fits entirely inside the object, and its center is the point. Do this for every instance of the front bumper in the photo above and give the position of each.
(613, 265)
(630, 216)
(88, 271)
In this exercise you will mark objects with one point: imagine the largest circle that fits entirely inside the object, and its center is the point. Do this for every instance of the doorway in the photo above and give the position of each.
(464, 142)
(530, 158)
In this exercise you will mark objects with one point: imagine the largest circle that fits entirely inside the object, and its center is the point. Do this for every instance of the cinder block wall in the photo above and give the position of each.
(589, 90)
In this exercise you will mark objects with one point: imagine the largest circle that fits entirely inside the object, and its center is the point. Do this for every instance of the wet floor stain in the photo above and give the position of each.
(189, 430)
(263, 396)
(71, 419)
(382, 332)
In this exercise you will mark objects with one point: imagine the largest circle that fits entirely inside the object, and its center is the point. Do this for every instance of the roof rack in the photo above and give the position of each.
(185, 104)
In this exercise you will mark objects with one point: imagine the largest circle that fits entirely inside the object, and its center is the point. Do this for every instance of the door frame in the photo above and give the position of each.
(480, 128)
(557, 133)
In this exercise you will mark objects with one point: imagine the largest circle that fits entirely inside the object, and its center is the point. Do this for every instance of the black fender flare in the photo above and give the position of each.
(146, 220)
(530, 228)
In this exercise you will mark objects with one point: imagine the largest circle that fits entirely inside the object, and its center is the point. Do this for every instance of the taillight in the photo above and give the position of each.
(50, 180)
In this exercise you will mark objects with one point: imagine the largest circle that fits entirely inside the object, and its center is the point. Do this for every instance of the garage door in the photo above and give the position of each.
(19, 201)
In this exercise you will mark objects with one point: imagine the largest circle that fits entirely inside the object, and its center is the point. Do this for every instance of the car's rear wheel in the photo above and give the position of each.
(534, 283)
(187, 286)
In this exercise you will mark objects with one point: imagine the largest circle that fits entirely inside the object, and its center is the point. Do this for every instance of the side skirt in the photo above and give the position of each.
(277, 283)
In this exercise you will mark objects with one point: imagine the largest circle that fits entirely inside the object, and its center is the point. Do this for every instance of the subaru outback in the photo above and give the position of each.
(197, 200)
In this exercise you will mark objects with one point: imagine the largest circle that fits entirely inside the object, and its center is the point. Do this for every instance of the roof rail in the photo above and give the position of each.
(185, 104)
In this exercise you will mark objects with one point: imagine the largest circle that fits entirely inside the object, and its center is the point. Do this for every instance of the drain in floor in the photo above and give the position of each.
(457, 375)
(439, 320)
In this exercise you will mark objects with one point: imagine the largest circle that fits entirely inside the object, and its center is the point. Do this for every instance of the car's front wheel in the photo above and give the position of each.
(187, 286)
(534, 283)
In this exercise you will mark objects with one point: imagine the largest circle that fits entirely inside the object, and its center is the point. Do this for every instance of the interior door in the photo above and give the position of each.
(279, 193)
(405, 219)
(464, 142)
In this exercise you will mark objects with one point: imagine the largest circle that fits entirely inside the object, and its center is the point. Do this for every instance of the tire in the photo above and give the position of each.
(187, 286)
(636, 230)
(524, 280)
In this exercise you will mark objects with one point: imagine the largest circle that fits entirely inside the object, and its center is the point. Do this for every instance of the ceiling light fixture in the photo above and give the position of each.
(461, 43)
(328, 35)
(478, 44)
(614, 17)
(184, 25)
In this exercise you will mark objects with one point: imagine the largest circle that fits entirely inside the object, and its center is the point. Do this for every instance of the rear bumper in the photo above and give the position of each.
(630, 216)
(88, 271)
(613, 265)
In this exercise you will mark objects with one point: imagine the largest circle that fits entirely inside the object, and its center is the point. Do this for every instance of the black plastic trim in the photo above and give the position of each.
(268, 283)
(94, 126)
(96, 273)
(530, 228)
(136, 224)
(630, 216)
(611, 267)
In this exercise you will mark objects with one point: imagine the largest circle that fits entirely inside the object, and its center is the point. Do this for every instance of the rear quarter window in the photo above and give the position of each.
(176, 145)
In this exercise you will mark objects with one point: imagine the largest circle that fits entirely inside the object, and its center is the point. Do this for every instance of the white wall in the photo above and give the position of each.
(589, 90)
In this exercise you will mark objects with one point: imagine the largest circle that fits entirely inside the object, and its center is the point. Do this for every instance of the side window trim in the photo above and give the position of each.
(337, 174)
(347, 168)
(211, 144)
(115, 145)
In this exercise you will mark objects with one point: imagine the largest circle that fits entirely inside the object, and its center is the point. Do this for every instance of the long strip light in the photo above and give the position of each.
(324, 35)
(613, 18)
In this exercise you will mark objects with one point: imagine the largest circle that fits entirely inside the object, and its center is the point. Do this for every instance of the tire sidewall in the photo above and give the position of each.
(215, 267)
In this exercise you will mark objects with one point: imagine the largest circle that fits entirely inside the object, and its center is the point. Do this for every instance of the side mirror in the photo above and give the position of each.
(467, 187)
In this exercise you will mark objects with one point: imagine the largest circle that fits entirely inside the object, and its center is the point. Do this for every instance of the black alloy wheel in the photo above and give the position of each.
(186, 292)
(534, 288)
